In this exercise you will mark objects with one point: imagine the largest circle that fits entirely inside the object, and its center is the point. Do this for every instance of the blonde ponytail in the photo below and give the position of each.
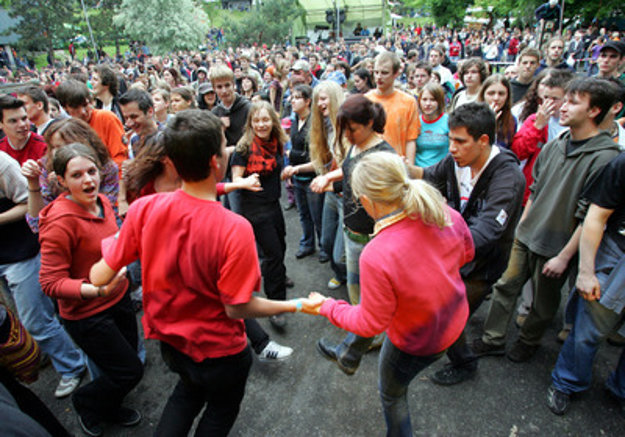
(382, 177)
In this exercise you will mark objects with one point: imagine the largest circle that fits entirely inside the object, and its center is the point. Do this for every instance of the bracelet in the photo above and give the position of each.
(35, 191)
(298, 306)
(100, 291)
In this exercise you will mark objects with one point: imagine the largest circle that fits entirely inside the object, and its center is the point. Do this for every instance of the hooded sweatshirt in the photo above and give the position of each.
(70, 240)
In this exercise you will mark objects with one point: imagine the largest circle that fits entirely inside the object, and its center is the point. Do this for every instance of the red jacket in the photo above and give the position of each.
(527, 144)
(70, 240)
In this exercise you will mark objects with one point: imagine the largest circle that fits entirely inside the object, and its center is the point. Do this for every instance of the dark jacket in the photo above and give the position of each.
(300, 151)
(238, 116)
(492, 211)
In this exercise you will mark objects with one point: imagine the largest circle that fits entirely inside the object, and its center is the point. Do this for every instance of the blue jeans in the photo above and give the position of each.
(36, 312)
(332, 234)
(310, 208)
(593, 322)
(396, 370)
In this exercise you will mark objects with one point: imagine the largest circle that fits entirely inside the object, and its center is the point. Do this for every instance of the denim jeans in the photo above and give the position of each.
(218, 383)
(109, 338)
(396, 370)
(36, 312)
(310, 208)
(593, 323)
(332, 234)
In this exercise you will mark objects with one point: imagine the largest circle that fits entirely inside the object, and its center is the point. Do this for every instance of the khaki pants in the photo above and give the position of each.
(523, 265)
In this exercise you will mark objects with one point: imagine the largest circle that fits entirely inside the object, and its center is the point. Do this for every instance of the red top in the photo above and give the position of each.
(419, 301)
(527, 144)
(35, 148)
(196, 257)
(70, 244)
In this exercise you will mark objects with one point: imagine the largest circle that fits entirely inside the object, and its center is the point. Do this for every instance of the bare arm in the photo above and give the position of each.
(31, 170)
(14, 214)
(592, 232)
(411, 151)
(556, 266)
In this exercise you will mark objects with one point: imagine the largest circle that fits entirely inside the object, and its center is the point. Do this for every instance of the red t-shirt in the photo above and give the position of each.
(196, 257)
(35, 148)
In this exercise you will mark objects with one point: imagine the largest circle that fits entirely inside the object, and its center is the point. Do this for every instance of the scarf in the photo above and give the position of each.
(262, 158)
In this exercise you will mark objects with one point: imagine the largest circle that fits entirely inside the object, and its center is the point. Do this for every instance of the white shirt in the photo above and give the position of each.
(466, 182)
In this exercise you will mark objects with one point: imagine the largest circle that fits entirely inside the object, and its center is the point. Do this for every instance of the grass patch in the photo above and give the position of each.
(41, 58)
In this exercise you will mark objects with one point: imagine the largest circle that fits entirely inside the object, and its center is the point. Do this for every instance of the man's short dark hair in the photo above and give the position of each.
(477, 118)
(191, 139)
(599, 91)
(422, 65)
(9, 102)
(73, 93)
(108, 78)
(143, 99)
(37, 95)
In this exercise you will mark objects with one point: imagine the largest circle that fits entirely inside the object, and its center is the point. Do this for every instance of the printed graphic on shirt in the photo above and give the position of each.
(502, 217)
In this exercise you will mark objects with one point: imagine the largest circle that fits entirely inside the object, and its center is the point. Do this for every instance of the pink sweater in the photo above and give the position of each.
(410, 286)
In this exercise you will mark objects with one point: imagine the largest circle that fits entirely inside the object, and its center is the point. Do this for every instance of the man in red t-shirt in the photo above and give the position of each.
(195, 290)
(20, 143)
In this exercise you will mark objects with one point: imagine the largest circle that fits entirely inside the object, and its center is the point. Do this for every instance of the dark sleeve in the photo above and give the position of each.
(238, 159)
(502, 205)
(437, 174)
(607, 190)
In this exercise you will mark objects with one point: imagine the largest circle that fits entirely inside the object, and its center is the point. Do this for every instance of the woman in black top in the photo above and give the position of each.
(301, 170)
(360, 121)
(260, 150)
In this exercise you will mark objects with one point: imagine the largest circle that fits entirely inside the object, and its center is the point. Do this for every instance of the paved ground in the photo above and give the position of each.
(309, 396)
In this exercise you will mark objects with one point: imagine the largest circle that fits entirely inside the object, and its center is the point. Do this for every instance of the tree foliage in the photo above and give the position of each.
(165, 25)
(43, 24)
(269, 22)
(444, 12)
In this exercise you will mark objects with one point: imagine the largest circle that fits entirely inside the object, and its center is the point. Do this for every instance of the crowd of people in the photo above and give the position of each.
(155, 183)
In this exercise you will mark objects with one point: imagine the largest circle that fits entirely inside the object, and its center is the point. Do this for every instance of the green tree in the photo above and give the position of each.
(270, 22)
(444, 12)
(165, 25)
(101, 13)
(43, 24)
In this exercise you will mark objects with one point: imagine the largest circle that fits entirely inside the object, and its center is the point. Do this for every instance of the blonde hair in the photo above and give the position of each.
(243, 146)
(382, 177)
(323, 145)
(220, 72)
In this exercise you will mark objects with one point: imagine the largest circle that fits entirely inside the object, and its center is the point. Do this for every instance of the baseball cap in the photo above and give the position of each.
(301, 65)
(617, 46)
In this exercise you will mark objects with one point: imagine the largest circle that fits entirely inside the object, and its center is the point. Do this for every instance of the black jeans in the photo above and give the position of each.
(256, 334)
(218, 383)
(270, 234)
(109, 338)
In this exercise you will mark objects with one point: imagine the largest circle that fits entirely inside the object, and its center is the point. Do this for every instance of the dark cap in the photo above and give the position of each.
(205, 88)
(617, 46)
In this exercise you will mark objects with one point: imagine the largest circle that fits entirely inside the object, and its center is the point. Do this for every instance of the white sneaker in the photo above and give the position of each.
(274, 352)
(67, 385)
(334, 283)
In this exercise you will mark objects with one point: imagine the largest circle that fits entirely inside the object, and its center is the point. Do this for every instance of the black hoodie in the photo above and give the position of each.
(492, 211)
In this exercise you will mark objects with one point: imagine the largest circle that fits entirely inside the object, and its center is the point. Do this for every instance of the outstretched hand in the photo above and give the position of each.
(312, 304)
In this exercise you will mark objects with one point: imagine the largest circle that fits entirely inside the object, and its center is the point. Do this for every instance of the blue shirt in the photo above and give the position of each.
(433, 142)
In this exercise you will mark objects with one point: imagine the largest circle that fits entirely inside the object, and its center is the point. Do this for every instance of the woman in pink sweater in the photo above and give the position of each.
(420, 305)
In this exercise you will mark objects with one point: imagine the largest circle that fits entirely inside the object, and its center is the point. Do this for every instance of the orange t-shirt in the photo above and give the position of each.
(402, 118)
(110, 130)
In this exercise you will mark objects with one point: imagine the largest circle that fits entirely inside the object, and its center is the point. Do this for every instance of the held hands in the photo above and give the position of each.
(287, 172)
(251, 183)
(31, 170)
(311, 304)
(319, 184)
(106, 290)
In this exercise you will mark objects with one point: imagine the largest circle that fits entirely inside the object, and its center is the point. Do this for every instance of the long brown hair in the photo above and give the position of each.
(505, 123)
(243, 146)
(323, 144)
(147, 165)
(73, 130)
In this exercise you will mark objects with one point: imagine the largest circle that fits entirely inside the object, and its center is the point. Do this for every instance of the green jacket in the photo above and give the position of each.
(559, 179)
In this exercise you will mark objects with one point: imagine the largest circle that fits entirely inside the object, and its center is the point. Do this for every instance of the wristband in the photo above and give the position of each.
(100, 291)
(298, 306)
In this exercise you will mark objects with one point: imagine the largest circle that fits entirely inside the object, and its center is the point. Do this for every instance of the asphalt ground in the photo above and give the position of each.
(309, 396)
